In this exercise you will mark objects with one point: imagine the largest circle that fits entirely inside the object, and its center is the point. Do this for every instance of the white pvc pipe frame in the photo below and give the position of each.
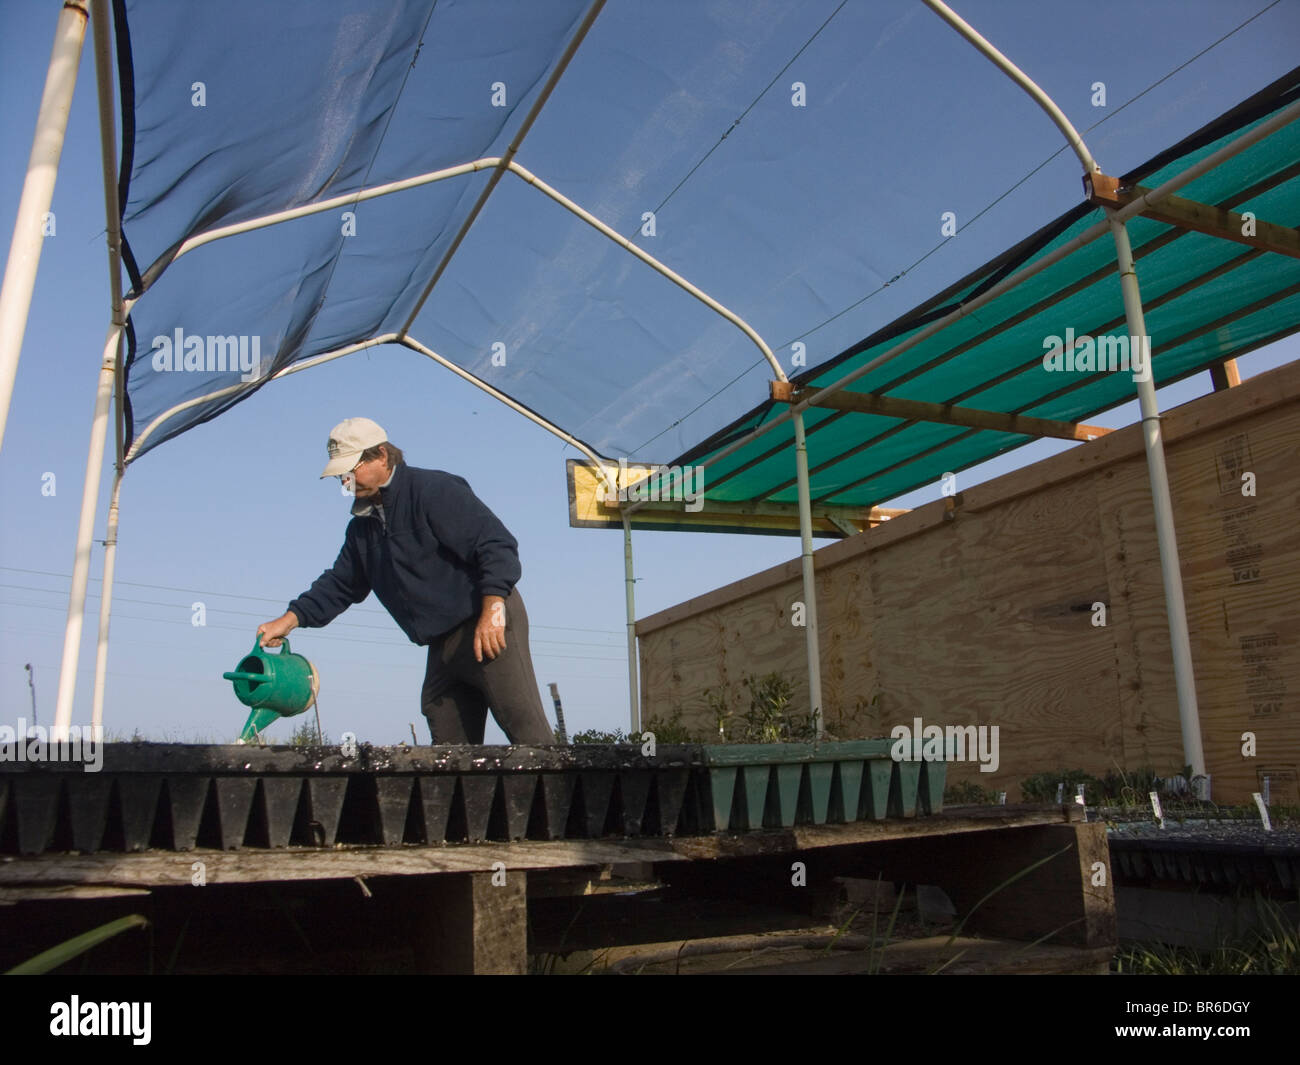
(794, 412)
(1115, 225)
(38, 190)
(110, 372)
(109, 377)
(1166, 534)
(505, 164)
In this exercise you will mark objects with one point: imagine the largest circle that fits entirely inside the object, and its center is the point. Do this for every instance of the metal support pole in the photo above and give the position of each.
(512, 150)
(634, 699)
(105, 607)
(85, 531)
(561, 733)
(1175, 608)
(113, 230)
(811, 635)
(38, 191)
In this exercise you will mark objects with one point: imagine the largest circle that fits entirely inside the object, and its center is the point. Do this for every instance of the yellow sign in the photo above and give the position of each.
(673, 499)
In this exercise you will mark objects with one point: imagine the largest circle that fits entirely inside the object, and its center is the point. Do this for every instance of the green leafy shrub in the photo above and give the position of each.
(770, 717)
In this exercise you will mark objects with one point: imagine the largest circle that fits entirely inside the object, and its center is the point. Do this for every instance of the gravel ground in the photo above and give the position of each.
(1235, 835)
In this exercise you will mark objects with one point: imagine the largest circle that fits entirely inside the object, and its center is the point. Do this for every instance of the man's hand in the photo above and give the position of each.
(272, 633)
(490, 632)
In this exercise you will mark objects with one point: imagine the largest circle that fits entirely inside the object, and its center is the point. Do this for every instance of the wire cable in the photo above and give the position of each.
(971, 221)
(258, 598)
(316, 635)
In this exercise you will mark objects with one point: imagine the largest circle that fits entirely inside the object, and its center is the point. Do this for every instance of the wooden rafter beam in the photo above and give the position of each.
(1225, 375)
(1106, 191)
(835, 513)
(1245, 195)
(916, 410)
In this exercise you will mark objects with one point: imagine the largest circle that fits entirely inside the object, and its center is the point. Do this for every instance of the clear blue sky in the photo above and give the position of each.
(232, 514)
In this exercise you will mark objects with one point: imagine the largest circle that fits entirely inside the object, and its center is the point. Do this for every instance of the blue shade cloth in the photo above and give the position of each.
(236, 110)
(798, 162)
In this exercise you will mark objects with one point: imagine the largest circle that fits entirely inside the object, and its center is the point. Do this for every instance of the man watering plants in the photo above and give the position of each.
(445, 567)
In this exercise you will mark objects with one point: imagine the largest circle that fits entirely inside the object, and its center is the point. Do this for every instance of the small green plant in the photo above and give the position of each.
(1128, 789)
(116, 736)
(1125, 790)
(769, 704)
(305, 735)
(1042, 786)
(968, 793)
(718, 701)
(671, 730)
(770, 718)
(1271, 949)
(595, 735)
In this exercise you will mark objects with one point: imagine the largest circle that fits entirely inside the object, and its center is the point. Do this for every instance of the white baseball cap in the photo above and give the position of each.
(348, 440)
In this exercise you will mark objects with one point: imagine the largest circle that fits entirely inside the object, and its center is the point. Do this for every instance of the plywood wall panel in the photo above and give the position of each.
(986, 620)
(981, 612)
(1241, 578)
(1147, 704)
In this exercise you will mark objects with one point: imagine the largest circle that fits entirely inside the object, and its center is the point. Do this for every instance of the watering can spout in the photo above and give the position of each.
(258, 722)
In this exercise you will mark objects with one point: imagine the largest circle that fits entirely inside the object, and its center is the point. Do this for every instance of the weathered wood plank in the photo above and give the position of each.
(471, 924)
(937, 954)
(157, 868)
(160, 868)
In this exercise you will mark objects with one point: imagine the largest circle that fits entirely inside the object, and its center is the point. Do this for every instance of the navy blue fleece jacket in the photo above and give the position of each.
(429, 554)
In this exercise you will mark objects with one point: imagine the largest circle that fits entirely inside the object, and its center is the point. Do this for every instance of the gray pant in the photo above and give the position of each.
(458, 691)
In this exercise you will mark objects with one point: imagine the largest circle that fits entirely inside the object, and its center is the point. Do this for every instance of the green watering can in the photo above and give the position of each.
(275, 686)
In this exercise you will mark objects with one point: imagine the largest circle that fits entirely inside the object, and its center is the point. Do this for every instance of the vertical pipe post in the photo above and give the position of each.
(38, 191)
(103, 37)
(31, 684)
(629, 581)
(105, 608)
(561, 733)
(1175, 607)
(85, 530)
(811, 635)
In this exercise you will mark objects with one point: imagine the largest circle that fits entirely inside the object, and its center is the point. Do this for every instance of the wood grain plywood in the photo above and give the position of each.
(1147, 701)
(717, 650)
(988, 621)
(980, 612)
(1241, 579)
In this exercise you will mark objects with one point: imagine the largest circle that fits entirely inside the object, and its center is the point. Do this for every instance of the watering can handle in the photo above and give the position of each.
(284, 644)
